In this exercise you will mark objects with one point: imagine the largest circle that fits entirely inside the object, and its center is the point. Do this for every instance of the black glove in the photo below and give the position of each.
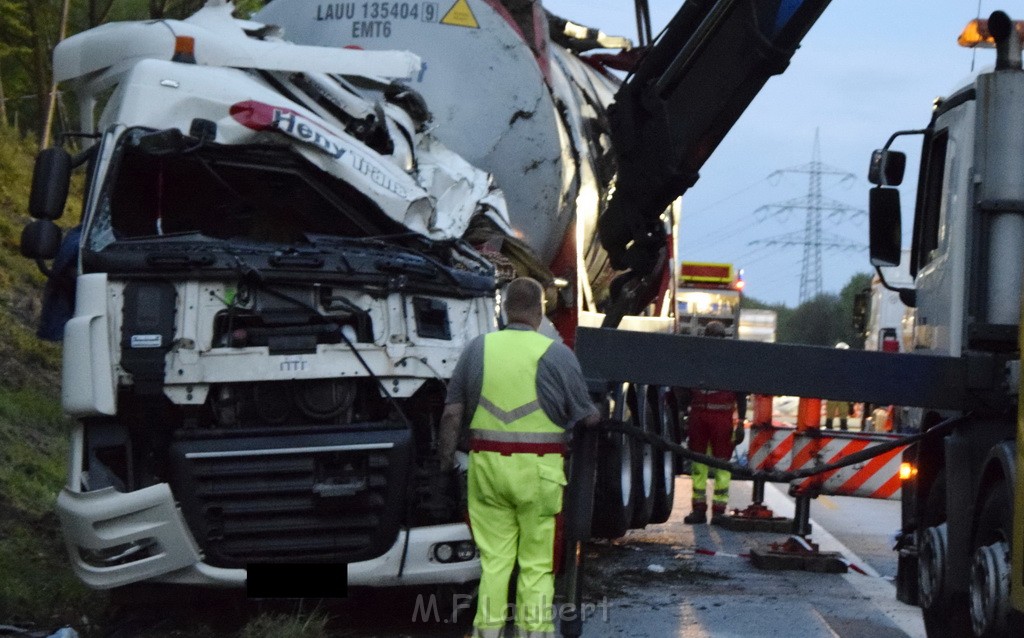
(739, 434)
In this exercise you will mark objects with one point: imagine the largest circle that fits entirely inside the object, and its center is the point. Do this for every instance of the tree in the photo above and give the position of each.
(98, 11)
(857, 283)
(15, 45)
(42, 18)
(813, 322)
(174, 8)
(823, 321)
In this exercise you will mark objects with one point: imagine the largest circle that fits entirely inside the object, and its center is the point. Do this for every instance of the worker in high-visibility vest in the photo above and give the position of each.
(711, 431)
(835, 409)
(519, 391)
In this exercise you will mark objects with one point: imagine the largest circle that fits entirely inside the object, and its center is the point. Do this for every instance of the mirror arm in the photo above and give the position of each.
(43, 268)
(907, 295)
(892, 138)
(83, 157)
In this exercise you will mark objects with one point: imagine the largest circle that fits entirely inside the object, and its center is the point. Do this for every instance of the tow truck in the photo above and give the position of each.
(963, 499)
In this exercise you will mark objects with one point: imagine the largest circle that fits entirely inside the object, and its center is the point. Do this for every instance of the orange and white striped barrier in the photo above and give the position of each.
(770, 446)
(787, 449)
(878, 477)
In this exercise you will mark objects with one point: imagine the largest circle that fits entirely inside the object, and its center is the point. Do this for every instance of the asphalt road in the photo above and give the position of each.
(684, 581)
(716, 592)
(678, 580)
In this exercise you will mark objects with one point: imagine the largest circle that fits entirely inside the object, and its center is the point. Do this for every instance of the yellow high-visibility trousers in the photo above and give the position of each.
(721, 478)
(513, 501)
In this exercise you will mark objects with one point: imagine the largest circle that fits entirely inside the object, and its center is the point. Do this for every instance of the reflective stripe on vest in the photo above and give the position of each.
(509, 442)
(509, 407)
(499, 436)
(716, 407)
(713, 401)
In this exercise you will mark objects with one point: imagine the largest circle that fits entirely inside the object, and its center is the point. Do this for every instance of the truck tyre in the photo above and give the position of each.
(989, 590)
(613, 500)
(644, 420)
(664, 460)
(944, 616)
(613, 492)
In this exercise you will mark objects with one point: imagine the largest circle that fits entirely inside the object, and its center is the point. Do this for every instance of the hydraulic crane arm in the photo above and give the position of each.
(681, 100)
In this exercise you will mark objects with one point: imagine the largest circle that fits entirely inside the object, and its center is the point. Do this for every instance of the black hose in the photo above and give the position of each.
(777, 476)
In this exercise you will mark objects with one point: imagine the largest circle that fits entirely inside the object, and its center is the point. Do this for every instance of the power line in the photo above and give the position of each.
(722, 200)
(814, 205)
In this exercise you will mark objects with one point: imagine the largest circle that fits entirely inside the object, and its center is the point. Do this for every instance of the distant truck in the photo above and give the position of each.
(708, 292)
(887, 322)
(758, 325)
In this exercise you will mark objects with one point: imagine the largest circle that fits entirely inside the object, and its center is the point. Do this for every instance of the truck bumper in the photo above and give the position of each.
(116, 538)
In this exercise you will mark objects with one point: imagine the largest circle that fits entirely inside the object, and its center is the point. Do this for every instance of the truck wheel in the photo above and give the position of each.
(643, 458)
(989, 589)
(613, 493)
(944, 616)
(664, 460)
(613, 500)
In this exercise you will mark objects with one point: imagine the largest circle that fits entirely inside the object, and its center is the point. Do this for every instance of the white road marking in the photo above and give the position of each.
(879, 592)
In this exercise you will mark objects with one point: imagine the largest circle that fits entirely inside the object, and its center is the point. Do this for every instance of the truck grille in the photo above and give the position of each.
(325, 496)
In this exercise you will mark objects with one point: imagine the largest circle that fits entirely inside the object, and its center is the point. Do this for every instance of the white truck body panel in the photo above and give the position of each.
(219, 41)
(886, 313)
(758, 325)
(505, 120)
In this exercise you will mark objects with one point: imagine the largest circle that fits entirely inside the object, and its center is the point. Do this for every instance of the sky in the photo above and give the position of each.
(865, 70)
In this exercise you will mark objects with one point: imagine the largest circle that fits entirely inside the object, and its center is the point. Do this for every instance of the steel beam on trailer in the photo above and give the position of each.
(882, 378)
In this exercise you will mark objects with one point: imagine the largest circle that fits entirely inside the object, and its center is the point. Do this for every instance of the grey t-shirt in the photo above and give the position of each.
(561, 390)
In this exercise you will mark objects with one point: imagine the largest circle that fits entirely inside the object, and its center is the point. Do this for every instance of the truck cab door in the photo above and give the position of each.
(943, 227)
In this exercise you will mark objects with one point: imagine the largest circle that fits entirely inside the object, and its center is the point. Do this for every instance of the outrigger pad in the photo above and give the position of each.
(774, 524)
(798, 553)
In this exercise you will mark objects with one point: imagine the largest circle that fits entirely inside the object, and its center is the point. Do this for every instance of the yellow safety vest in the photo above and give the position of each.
(508, 417)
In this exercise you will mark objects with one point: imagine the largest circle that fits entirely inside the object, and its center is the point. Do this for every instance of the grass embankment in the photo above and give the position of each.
(37, 586)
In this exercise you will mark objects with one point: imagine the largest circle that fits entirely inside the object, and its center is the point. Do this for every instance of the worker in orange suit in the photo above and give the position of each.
(711, 431)
(519, 391)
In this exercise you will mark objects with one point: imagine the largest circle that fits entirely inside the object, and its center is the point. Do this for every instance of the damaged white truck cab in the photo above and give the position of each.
(285, 248)
(272, 289)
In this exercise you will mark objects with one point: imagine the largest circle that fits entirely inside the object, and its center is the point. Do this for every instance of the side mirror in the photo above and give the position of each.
(51, 179)
(40, 240)
(887, 167)
(885, 234)
(860, 310)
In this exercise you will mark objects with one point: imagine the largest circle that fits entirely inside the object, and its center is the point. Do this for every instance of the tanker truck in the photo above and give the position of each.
(293, 224)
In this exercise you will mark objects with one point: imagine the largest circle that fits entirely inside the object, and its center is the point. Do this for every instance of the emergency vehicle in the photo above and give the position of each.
(708, 292)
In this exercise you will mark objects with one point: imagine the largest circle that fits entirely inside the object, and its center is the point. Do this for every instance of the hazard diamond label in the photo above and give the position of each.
(460, 15)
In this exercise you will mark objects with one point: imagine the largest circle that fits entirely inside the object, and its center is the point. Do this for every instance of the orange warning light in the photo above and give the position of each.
(977, 34)
(907, 471)
(184, 49)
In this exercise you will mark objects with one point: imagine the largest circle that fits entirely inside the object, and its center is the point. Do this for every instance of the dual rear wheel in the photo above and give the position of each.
(635, 480)
(984, 611)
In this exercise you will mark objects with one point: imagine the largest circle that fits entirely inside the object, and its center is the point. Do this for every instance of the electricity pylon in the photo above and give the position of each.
(814, 204)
